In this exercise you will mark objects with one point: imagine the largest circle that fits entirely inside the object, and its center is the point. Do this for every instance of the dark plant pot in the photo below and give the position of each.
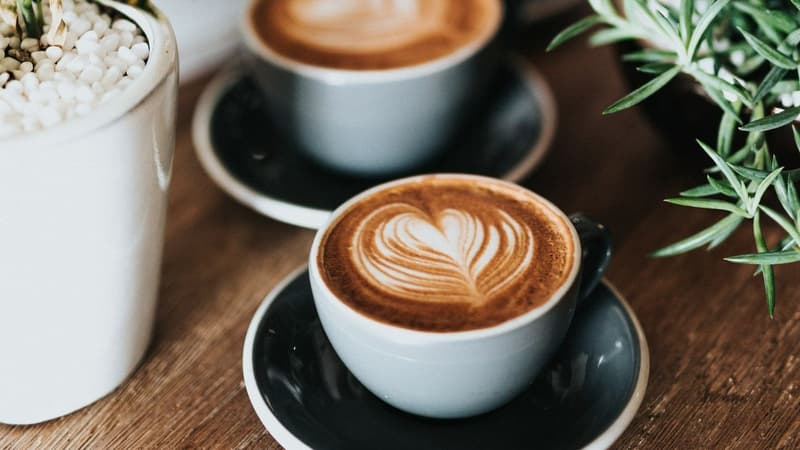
(682, 113)
(679, 111)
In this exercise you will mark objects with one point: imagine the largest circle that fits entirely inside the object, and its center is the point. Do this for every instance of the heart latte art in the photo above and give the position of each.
(446, 253)
(372, 34)
(456, 256)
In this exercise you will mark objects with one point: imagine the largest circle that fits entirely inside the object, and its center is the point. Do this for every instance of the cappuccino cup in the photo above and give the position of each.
(445, 295)
(370, 88)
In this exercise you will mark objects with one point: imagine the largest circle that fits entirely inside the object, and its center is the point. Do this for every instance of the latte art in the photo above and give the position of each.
(372, 34)
(446, 253)
(457, 256)
(362, 26)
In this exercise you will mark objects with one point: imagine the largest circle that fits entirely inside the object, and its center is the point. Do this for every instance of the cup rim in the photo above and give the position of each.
(331, 75)
(163, 60)
(410, 335)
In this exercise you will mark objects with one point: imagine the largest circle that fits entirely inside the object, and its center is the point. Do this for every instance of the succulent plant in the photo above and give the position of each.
(28, 17)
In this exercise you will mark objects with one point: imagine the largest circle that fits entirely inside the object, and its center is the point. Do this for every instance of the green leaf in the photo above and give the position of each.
(721, 85)
(785, 87)
(728, 172)
(650, 55)
(725, 234)
(722, 187)
(574, 30)
(669, 27)
(765, 50)
(785, 244)
(790, 42)
(705, 190)
(611, 35)
(699, 239)
(783, 222)
(796, 135)
(773, 121)
(686, 25)
(655, 68)
(603, 7)
(773, 18)
(768, 274)
(762, 188)
(782, 192)
(791, 196)
(722, 102)
(702, 26)
(750, 173)
(643, 91)
(786, 257)
(706, 203)
(727, 125)
(772, 78)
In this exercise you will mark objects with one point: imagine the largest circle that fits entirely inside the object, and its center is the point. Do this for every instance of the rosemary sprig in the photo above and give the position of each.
(744, 54)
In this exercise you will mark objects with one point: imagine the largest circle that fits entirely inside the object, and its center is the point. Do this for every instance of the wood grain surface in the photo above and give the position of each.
(723, 374)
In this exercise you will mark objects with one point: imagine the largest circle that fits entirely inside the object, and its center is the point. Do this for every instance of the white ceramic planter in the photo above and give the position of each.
(82, 211)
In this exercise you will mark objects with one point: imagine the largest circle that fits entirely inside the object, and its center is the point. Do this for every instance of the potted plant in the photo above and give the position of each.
(741, 56)
(87, 117)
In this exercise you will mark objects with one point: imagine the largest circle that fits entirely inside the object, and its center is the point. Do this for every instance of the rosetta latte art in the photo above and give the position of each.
(363, 25)
(454, 256)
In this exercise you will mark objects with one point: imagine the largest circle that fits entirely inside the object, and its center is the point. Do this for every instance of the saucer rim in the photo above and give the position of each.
(288, 440)
(313, 218)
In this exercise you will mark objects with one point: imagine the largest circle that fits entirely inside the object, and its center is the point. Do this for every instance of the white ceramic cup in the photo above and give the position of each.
(457, 374)
(370, 122)
(82, 212)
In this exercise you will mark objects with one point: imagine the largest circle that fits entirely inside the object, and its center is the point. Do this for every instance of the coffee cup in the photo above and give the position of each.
(445, 295)
(370, 88)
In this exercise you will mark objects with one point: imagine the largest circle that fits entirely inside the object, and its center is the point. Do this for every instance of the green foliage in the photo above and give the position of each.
(744, 54)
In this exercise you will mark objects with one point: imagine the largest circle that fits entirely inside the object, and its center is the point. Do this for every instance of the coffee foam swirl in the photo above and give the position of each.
(372, 34)
(363, 25)
(454, 256)
(446, 253)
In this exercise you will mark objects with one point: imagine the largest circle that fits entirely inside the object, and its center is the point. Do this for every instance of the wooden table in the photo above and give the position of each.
(723, 374)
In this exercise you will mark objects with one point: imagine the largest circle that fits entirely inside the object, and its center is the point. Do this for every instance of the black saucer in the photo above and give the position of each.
(238, 147)
(306, 398)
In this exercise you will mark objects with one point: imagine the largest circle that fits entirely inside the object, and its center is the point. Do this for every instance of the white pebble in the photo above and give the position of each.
(54, 53)
(141, 50)
(91, 74)
(134, 71)
(98, 61)
(10, 63)
(127, 55)
(38, 57)
(84, 94)
(29, 44)
(124, 25)
(87, 46)
(77, 64)
(110, 42)
(79, 26)
(126, 39)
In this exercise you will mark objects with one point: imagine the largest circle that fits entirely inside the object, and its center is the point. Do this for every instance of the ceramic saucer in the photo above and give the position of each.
(306, 398)
(239, 149)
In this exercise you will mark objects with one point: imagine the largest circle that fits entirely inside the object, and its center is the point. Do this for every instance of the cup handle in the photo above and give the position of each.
(597, 248)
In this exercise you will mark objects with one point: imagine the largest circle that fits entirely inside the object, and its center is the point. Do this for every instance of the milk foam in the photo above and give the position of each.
(355, 26)
(452, 256)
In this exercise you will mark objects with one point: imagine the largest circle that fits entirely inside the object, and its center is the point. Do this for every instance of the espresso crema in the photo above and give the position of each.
(446, 254)
(372, 34)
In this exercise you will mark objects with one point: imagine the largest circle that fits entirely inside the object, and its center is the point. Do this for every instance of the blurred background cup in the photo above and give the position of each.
(371, 122)
(82, 220)
(207, 33)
